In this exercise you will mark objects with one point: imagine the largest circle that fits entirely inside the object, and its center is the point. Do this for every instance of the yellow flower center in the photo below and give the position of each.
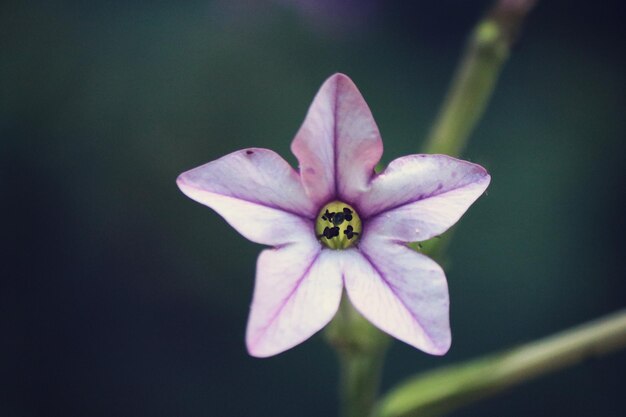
(338, 226)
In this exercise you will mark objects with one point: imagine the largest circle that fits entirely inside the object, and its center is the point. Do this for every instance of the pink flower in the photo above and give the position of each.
(337, 224)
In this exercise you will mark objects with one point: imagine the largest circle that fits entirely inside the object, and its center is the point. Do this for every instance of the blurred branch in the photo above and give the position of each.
(440, 391)
(487, 50)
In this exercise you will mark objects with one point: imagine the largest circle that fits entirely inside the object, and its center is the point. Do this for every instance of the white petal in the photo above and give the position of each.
(421, 196)
(297, 292)
(338, 145)
(257, 192)
(401, 292)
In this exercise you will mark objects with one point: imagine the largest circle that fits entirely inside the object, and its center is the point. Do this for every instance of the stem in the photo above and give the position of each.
(360, 380)
(487, 50)
(472, 85)
(441, 391)
(360, 346)
(361, 351)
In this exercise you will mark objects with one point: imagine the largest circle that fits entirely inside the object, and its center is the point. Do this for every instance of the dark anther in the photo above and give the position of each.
(330, 232)
(347, 213)
(328, 216)
(338, 219)
(349, 232)
(249, 152)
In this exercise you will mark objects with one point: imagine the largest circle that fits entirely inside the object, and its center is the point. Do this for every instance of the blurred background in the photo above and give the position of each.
(121, 297)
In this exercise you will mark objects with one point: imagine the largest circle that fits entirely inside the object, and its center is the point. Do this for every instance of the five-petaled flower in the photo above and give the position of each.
(336, 223)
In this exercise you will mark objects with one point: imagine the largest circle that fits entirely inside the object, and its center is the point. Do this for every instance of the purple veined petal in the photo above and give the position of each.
(402, 292)
(421, 196)
(427, 218)
(297, 292)
(257, 193)
(338, 144)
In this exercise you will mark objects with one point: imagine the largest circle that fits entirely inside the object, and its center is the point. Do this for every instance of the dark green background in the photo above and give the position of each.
(122, 297)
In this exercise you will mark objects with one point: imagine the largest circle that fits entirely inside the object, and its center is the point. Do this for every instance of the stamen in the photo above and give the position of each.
(338, 225)
(328, 216)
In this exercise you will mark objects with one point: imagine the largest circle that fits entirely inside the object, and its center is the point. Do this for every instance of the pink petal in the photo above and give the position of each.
(338, 144)
(401, 292)
(421, 196)
(258, 194)
(297, 292)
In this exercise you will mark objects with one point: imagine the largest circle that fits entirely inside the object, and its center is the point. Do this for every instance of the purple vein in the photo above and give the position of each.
(284, 302)
(253, 201)
(335, 113)
(420, 198)
(393, 289)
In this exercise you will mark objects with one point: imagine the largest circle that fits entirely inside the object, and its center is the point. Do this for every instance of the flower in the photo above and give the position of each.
(317, 250)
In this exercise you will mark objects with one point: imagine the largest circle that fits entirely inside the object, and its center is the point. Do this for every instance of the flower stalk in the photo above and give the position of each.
(475, 78)
(361, 351)
(444, 390)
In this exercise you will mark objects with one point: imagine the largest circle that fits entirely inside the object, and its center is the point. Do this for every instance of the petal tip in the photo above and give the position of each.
(436, 346)
(477, 171)
(338, 76)
(441, 348)
(182, 183)
(484, 179)
(256, 352)
(256, 347)
(482, 171)
(340, 81)
(186, 186)
(180, 180)
(260, 347)
(486, 176)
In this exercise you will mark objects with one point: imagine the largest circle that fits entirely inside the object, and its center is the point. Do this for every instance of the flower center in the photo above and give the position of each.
(338, 226)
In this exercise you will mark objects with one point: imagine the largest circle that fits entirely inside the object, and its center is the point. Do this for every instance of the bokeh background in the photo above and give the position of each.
(121, 297)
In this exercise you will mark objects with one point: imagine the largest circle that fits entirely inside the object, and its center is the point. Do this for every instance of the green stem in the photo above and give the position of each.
(361, 351)
(443, 390)
(360, 346)
(472, 85)
(487, 50)
(360, 376)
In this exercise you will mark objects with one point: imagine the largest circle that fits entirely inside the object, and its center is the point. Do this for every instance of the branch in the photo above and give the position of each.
(474, 81)
(443, 390)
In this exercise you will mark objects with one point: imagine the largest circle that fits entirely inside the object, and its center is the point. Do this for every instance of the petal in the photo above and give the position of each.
(258, 194)
(421, 196)
(297, 292)
(338, 145)
(401, 292)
